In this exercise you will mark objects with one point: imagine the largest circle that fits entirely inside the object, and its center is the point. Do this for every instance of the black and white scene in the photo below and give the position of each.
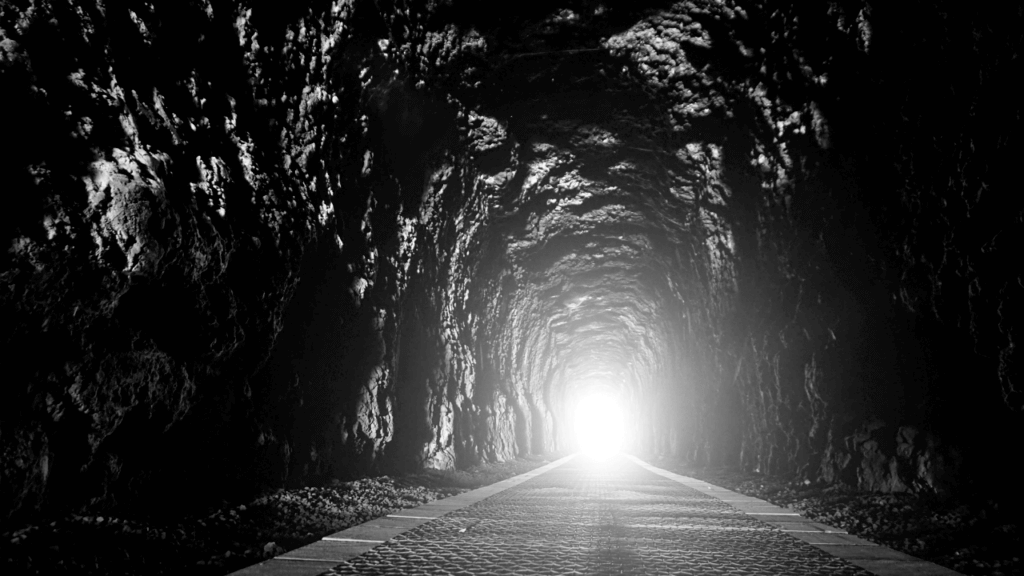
(561, 287)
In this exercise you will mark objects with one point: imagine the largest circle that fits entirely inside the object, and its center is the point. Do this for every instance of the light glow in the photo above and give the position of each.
(599, 425)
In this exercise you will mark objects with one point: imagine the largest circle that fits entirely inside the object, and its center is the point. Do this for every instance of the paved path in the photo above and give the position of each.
(619, 517)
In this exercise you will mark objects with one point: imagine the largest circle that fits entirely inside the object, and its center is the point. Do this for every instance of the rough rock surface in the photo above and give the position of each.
(264, 244)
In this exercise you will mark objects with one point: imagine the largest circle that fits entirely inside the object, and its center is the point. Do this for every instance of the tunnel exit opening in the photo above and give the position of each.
(599, 424)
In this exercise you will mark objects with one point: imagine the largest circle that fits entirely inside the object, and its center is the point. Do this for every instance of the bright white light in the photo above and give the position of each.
(599, 425)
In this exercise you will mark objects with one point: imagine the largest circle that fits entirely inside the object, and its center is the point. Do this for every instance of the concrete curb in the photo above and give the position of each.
(879, 560)
(329, 551)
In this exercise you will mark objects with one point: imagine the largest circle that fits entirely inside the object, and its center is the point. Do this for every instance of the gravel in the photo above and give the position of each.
(975, 535)
(230, 538)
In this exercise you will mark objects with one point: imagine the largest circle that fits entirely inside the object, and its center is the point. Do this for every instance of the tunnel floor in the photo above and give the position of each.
(585, 517)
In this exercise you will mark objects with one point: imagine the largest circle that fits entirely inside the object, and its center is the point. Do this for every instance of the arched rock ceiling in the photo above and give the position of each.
(611, 210)
(599, 231)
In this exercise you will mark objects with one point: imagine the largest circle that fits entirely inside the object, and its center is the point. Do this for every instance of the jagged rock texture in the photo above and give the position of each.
(256, 244)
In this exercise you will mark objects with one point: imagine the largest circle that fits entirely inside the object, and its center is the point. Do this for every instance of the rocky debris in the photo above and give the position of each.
(231, 537)
(879, 459)
(975, 534)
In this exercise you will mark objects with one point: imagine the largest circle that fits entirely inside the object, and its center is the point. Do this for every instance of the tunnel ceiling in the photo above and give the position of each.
(280, 243)
(614, 208)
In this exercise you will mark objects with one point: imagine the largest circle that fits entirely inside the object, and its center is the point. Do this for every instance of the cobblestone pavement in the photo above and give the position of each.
(597, 518)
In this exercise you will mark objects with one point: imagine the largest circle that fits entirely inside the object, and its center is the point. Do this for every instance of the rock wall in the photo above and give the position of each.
(862, 228)
(210, 195)
(153, 243)
(258, 244)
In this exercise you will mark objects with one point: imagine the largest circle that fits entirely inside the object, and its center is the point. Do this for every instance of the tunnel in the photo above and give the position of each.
(254, 245)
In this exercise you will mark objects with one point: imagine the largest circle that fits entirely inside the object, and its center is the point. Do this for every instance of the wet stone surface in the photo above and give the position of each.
(597, 518)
